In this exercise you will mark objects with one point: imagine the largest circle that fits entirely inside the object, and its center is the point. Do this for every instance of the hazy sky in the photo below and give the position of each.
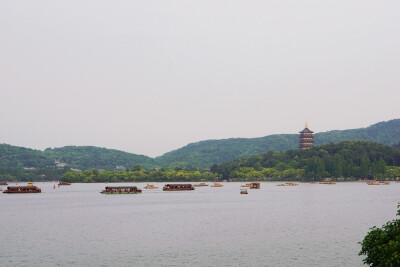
(148, 77)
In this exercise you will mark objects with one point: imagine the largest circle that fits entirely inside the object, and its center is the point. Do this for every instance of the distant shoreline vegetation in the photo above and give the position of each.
(94, 176)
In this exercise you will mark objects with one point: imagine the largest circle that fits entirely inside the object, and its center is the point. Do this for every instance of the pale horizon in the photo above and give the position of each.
(151, 77)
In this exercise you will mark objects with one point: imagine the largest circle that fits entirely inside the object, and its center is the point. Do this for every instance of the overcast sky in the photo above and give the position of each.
(148, 77)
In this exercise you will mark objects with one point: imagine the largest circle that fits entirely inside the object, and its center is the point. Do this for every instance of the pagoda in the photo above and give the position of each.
(306, 138)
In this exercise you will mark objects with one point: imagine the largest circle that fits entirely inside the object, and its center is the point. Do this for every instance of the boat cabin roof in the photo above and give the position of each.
(21, 187)
(178, 185)
(121, 187)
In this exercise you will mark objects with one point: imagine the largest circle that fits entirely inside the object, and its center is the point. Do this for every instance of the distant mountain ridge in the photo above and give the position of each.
(79, 157)
(91, 157)
(206, 153)
(201, 154)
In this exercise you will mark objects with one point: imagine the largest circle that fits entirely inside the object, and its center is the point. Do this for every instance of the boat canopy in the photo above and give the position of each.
(120, 187)
(21, 187)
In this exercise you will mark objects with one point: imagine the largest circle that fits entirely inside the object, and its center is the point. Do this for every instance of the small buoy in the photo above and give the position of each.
(54, 186)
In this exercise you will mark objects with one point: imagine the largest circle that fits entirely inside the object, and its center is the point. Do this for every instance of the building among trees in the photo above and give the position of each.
(306, 139)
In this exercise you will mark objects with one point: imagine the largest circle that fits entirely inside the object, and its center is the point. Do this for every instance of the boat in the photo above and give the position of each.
(384, 183)
(150, 186)
(291, 184)
(200, 184)
(30, 184)
(121, 190)
(373, 183)
(327, 182)
(255, 186)
(280, 185)
(63, 183)
(22, 189)
(178, 187)
(3, 183)
(217, 185)
(246, 185)
(243, 191)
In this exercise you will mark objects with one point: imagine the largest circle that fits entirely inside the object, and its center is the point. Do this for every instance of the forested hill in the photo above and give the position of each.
(19, 157)
(387, 133)
(350, 159)
(204, 154)
(197, 155)
(79, 157)
(90, 157)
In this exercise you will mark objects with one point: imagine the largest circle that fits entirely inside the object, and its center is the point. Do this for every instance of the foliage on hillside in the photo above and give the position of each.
(90, 157)
(397, 146)
(19, 157)
(346, 159)
(204, 154)
(25, 164)
(387, 133)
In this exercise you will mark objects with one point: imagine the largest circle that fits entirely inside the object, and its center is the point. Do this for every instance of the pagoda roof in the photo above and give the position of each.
(306, 130)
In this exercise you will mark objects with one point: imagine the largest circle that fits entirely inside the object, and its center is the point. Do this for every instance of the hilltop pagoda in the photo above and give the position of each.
(306, 140)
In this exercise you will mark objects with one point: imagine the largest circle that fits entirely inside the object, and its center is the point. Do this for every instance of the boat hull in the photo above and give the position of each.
(117, 193)
(150, 187)
(178, 189)
(6, 192)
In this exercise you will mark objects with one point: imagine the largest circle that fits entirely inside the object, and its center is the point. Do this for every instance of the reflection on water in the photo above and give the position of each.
(306, 225)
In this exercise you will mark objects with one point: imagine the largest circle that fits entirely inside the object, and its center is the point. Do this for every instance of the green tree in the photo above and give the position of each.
(320, 169)
(382, 245)
(379, 168)
(136, 168)
(364, 166)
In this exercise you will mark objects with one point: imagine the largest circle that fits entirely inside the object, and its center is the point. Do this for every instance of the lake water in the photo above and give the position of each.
(306, 225)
